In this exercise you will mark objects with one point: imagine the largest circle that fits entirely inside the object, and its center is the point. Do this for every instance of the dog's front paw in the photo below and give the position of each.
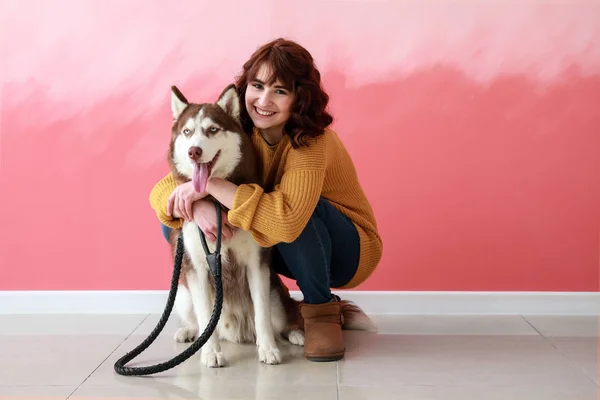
(269, 355)
(212, 358)
(186, 334)
(296, 337)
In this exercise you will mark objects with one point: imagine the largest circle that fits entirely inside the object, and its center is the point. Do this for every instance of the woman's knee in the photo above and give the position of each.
(166, 231)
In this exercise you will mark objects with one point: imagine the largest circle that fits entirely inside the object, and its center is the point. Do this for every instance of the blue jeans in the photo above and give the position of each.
(325, 255)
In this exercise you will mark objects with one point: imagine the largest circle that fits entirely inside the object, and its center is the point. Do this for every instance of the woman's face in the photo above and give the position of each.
(268, 105)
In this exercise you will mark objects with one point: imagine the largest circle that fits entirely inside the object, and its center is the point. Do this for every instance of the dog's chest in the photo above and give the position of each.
(241, 246)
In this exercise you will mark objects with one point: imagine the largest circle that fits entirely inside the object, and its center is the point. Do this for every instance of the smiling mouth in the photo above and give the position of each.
(263, 112)
(202, 172)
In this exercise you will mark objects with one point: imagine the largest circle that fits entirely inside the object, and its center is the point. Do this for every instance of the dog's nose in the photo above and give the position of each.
(195, 153)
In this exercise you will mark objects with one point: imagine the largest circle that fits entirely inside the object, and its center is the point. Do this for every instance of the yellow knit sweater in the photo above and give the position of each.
(292, 182)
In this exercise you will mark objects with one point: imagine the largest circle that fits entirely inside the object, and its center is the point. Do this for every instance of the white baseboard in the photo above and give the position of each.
(372, 302)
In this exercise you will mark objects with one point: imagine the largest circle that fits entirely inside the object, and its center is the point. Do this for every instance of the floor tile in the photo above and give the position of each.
(453, 325)
(559, 327)
(69, 324)
(242, 369)
(35, 392)
(149, 323)
(38, 360)
(584, 354)
(214, 392)
(411, 357)
(588, 392)
(455, 361)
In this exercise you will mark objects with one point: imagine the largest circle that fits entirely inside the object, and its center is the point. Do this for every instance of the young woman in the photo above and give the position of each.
(310, 206)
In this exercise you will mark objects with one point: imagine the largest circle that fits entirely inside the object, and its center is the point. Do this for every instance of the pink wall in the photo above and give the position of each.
(475, 130)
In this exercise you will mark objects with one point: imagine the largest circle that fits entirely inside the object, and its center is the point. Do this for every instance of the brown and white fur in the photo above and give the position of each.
(257, 307)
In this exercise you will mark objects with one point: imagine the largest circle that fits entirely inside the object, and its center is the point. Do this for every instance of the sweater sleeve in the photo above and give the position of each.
(281, 215)
(158, 201)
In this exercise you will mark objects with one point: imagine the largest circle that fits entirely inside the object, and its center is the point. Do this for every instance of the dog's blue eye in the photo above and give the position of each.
(213, 129)
(186, 131)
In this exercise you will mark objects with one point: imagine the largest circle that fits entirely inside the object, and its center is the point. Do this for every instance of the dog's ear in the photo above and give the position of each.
(230, 101)
(178, 102)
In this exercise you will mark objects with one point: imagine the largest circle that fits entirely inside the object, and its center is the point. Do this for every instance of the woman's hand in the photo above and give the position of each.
(205, 216)
(182, 199)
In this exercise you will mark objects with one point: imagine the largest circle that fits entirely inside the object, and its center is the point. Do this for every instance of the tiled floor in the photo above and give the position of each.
(411, 357)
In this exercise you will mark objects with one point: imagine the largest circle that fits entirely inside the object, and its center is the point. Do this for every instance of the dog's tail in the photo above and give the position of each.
(355, 318)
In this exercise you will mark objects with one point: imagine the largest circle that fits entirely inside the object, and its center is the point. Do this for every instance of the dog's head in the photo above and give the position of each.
(207, 138)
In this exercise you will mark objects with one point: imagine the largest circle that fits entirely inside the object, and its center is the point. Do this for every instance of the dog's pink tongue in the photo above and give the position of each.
(200, 177)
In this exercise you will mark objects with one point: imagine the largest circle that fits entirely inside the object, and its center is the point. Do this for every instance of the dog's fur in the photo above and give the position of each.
(257, 307)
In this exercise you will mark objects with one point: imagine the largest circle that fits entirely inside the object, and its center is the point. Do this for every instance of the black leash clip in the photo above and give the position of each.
(214, 259)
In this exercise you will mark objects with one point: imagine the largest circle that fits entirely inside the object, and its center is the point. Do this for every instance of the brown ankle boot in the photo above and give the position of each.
(323, 331)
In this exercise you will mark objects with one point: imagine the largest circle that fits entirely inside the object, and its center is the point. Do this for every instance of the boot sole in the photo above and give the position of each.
(329, 358)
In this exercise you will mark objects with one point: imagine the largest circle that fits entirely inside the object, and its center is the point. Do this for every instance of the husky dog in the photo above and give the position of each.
(208, 141)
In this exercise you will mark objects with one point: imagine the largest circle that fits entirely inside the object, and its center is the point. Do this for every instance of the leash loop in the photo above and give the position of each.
(214, 261)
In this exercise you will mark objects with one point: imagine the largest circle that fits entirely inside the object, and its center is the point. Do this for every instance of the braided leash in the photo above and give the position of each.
(214, 262)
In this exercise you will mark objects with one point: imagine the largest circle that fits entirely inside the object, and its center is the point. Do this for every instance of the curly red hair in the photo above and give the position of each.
(294, 66)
